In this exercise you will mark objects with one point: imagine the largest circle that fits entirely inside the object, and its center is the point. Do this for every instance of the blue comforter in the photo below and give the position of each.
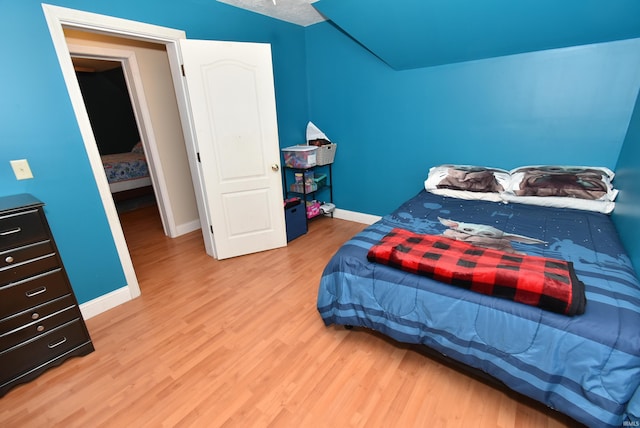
(587, 366)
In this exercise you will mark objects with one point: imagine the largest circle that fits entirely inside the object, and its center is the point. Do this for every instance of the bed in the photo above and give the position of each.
(585, 365)
(126, 171)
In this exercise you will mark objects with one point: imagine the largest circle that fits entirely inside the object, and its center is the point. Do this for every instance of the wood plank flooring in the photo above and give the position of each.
(239, 343)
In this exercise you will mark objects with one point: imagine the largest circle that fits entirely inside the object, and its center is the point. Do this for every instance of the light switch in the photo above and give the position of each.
(21, 169)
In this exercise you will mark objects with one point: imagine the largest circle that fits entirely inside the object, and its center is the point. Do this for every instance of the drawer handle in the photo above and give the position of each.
(10, 231)
(9, 259)
(58, 343)
(36, 291)
(35, 316)
(40, 328)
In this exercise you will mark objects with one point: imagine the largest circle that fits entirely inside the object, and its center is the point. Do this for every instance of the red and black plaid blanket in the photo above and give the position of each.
(549, 284)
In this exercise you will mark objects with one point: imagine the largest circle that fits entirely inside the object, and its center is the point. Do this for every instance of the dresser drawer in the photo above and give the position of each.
(36, 321)
(18, 255)
(17, 229)
(19, 271)
(31, 354)
(33, 291)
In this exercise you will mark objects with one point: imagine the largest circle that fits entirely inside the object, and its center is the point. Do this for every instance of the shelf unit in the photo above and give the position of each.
(305, 192)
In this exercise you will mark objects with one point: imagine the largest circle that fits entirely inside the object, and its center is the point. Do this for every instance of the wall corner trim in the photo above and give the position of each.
(105, 302)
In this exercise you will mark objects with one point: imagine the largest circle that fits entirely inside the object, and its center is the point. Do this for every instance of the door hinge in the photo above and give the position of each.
(182, 68)
(198, 155)
(211, 227)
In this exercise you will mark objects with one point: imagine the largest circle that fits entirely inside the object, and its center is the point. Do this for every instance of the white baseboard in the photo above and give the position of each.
(355, 216)
(185, 228)
(338, 213)
(105, 302)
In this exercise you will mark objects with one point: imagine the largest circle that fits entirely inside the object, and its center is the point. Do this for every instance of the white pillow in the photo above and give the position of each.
(575, 182)
(577, 187)
(467, 182)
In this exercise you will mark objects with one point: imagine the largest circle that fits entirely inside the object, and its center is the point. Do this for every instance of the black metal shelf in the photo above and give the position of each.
(328, 186)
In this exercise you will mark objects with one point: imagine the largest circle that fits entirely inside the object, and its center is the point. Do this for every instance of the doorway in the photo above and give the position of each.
(148, 76)
(108, 100)
(60, 19)
(218, 148)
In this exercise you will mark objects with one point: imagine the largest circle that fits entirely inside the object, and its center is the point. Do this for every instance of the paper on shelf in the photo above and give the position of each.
(313, 133)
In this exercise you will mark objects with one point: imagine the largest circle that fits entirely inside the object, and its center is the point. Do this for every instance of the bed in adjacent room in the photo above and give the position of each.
(126, 171)
(565, 332)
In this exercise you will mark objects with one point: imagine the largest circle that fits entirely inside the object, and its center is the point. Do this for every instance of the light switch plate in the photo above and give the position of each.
(21, 169)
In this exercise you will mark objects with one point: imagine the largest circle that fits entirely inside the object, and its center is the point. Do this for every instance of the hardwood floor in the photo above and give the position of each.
(239, 343)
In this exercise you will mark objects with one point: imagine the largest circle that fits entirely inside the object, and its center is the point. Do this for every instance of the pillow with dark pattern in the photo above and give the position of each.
(592, 183)
(576, 187)
(467, 181)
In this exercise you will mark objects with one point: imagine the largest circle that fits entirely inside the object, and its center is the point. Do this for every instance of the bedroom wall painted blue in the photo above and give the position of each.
(38, 122)
(627, 213)
(565, 106)
(390, 126)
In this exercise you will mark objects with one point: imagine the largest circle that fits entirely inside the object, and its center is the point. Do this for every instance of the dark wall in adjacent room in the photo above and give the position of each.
(109, 107)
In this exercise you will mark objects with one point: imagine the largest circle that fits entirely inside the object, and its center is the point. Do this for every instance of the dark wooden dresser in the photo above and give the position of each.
(40, 322)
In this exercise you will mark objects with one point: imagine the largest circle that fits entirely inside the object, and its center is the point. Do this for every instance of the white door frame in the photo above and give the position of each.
(58, 17)
(143, 120)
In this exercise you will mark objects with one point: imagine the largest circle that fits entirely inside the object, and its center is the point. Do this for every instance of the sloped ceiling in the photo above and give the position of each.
(409, 34)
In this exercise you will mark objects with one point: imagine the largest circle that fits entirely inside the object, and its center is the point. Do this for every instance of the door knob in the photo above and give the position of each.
(275, 167)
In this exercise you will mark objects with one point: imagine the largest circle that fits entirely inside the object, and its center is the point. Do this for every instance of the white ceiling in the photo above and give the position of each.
(295, 11)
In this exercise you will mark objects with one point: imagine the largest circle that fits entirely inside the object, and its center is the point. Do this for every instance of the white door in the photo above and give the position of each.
(233, 109)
